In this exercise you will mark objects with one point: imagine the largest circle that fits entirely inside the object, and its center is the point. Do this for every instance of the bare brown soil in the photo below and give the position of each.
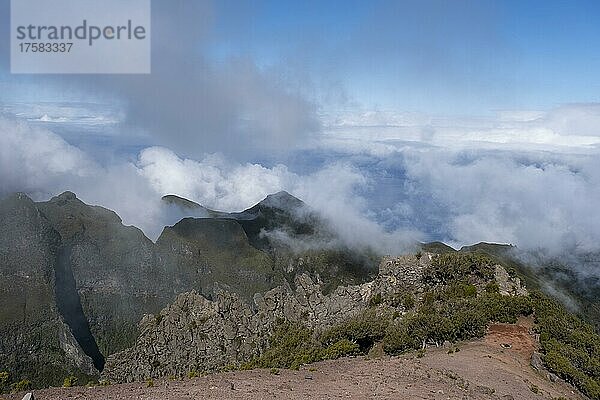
(496, 367)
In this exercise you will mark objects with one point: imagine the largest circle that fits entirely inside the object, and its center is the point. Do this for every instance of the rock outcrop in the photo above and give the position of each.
(508, 285)
(202, 335)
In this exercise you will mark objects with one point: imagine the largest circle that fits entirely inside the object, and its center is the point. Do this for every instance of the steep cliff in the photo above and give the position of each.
(35, 341)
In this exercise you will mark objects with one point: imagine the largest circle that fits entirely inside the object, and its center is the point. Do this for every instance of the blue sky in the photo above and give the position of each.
(443, 57)
(429, 56)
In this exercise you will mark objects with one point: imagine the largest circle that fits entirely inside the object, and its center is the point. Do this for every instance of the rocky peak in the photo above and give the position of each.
(69, 214)
(282, 200)
(173, 199)
(65, 196)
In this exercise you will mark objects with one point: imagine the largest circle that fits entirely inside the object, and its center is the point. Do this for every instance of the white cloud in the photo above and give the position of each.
(212, 181)
(574, 119)
(30, 158)
(41, 163)
(529, 178)
(219, 184)
(567, 129)
(532, 200)
(467, 191)
(332, 192)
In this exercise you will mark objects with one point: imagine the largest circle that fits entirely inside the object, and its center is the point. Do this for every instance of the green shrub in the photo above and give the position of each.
(408, 301)
(70, 381)
(453, 349)
(570, 346)
(459, 290)
(150, 382)
(4, 379)
(290, 346)
(365, 329)
(21, 386)
(507, 309)
(448, 267)
(341, 348)
(398, 340)
(405, 300)
(535, 389)
(447, 316)
(375, 300)
(492, 287)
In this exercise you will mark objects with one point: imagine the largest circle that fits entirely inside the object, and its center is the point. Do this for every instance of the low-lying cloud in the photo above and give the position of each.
(134, 188)
(532, 200)
(383, 189)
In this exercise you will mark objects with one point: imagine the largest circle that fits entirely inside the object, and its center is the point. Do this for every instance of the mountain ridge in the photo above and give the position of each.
(108, 275)
(116, 274)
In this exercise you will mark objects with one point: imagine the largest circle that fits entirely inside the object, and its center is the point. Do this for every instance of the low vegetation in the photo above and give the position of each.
(17, 382)
(451, 267)
(461, 300)
(4, 379)
(292, 345)
(363, 330)
(23, 384)
(570, 346)
(70, 381)
(452, 319)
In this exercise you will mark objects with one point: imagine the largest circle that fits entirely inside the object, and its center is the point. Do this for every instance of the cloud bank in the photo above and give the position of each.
(41, 163)
(385, 188)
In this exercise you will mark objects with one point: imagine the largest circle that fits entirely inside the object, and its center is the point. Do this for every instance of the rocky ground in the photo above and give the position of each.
(496, 367)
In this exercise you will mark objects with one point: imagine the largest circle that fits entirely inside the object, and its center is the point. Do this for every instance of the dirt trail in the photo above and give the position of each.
(496, 367)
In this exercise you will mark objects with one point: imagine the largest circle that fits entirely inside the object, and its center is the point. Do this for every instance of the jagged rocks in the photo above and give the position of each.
(508, 285)
(195, 333)
(537, 363)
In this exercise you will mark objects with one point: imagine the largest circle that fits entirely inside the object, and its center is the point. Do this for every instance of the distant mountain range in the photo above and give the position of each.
(76, 281)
